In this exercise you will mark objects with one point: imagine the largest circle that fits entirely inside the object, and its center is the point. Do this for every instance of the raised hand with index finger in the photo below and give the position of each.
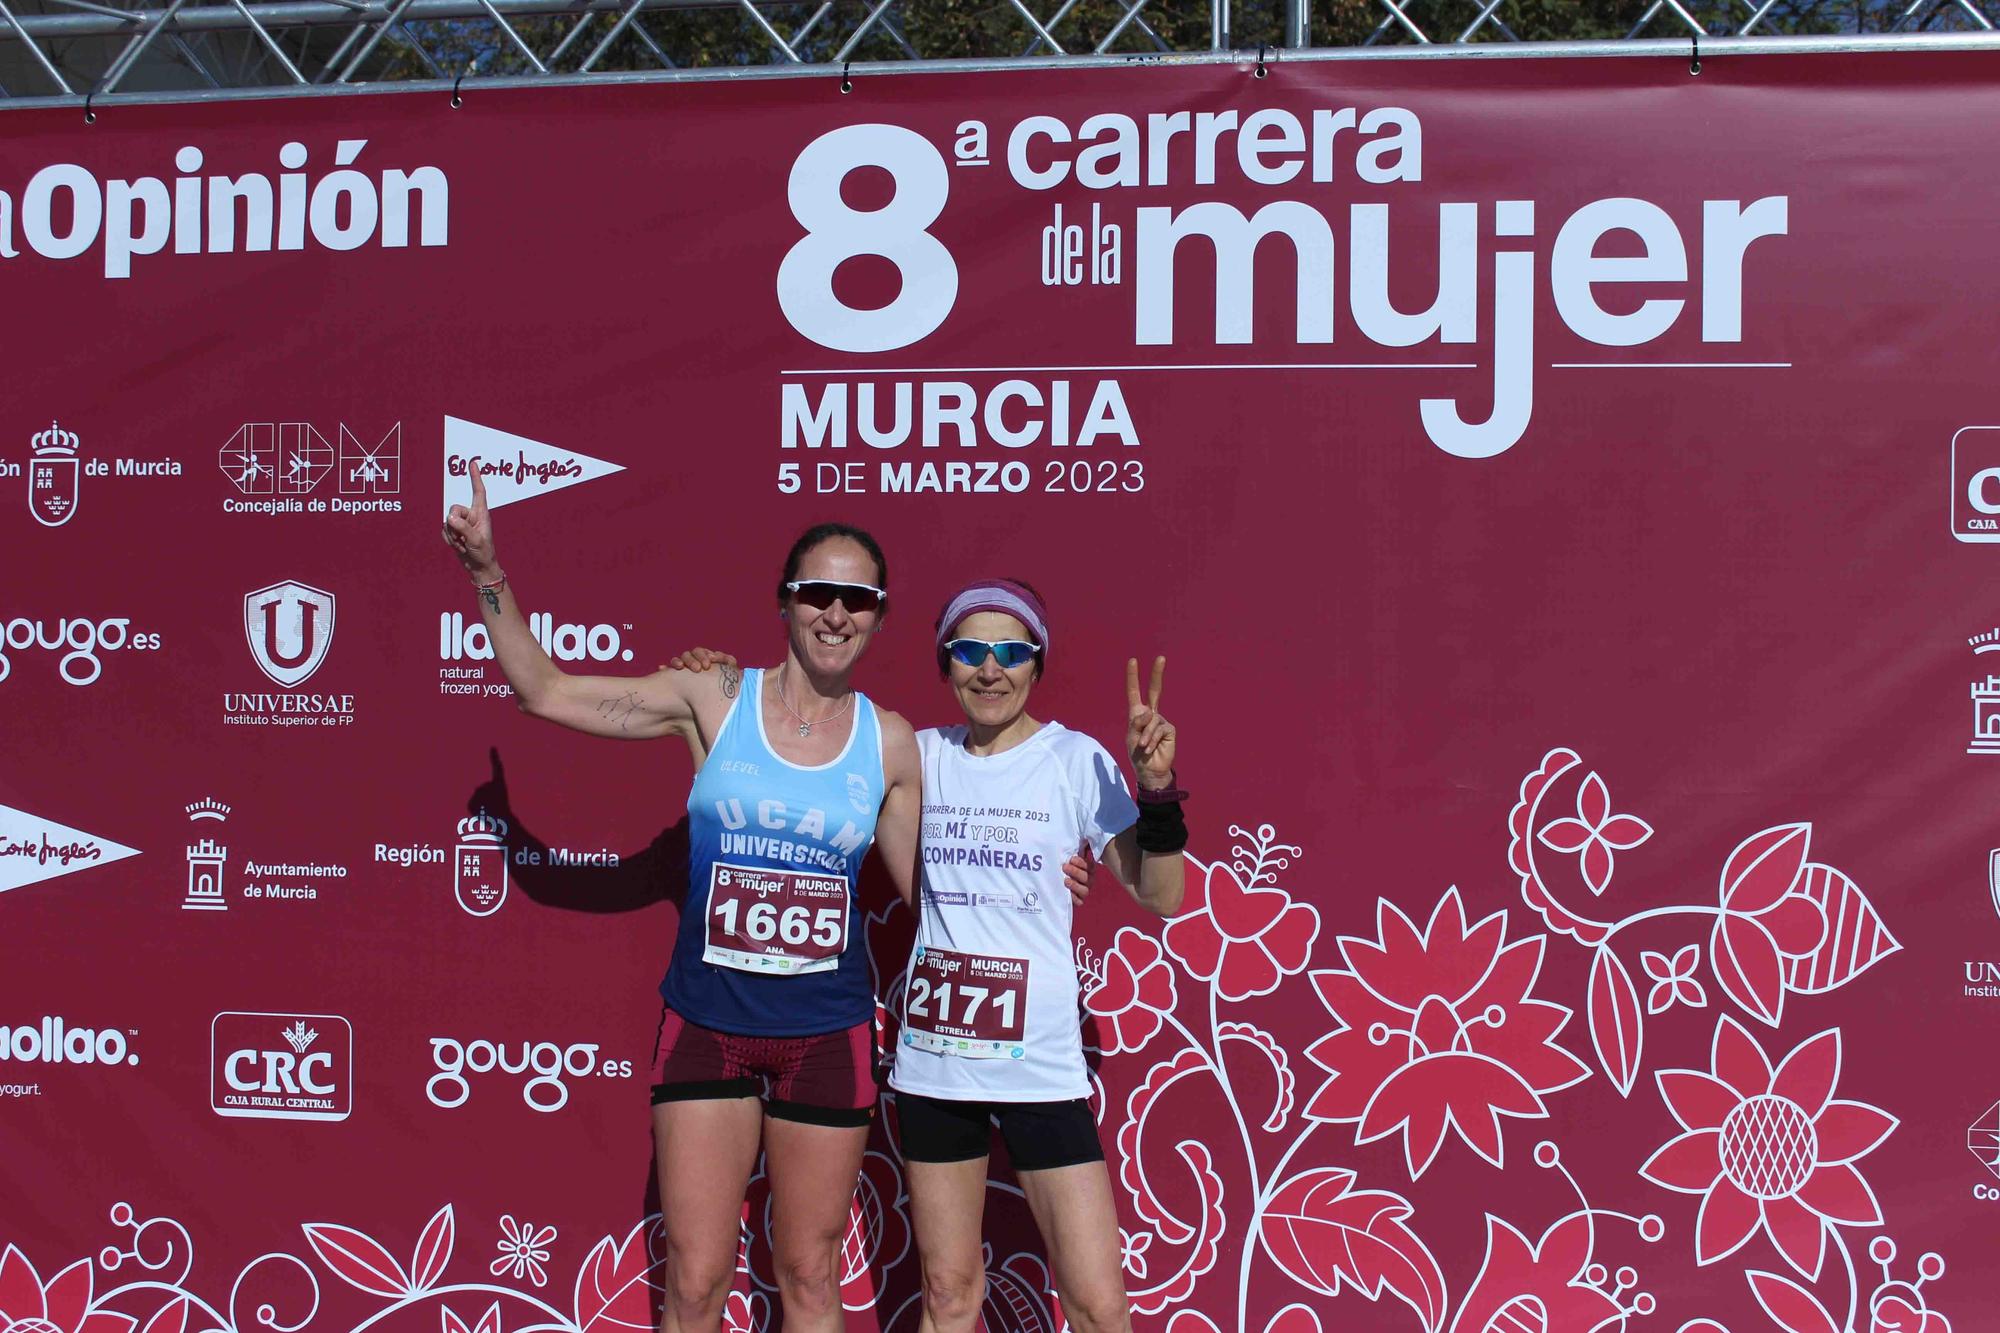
(1148, 735)
(469, 532)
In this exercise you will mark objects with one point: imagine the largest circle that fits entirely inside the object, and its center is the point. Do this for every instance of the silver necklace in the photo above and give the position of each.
(805, 727)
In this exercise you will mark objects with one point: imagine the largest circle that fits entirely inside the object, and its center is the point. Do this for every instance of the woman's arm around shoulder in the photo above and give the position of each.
(897, 825)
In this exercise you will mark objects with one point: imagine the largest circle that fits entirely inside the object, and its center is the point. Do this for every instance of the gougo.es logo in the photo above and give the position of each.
(79, 640)
(549, 1064)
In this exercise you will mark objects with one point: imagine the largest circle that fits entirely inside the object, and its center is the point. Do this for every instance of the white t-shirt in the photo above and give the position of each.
(989, 1002)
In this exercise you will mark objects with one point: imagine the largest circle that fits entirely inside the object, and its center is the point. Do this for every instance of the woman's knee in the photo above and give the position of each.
(697, 1287)
(1098, 1309)
(807, 1277)
(953, 1295)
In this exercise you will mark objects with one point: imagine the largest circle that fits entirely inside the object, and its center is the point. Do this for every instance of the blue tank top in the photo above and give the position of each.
(757, 825)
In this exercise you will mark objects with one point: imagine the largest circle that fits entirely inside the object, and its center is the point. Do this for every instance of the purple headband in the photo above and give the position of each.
(1002, 595)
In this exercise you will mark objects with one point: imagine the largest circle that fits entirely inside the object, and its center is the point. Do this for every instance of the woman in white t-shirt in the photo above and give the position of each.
(990, 1013)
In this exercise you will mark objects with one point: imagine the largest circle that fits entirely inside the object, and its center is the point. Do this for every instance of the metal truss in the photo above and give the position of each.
(87, 51)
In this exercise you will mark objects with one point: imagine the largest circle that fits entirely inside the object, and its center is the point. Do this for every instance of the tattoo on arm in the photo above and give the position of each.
(621, 709)
(491, 596)
(732, 681)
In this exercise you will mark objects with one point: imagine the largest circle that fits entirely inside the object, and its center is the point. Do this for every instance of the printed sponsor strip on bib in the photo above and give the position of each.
(967, 1004)
(777, 922)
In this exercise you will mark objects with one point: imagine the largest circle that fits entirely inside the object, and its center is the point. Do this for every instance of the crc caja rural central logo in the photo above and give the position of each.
(281, 1066)
(1975, 484)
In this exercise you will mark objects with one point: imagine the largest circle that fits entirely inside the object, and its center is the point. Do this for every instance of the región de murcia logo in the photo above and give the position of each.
(56, 470)
(482, 863)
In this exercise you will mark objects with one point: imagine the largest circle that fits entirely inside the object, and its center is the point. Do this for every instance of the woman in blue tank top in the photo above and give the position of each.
(767, 1030)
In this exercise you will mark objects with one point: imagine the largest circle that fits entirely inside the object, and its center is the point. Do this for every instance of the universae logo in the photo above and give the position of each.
(289, 627)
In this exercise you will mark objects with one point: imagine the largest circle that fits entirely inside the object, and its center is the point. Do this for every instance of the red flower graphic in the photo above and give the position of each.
(1596, 833)
(1769, 1149)
(1537, 1284)
(1134, 992)
(1521, 851)
(1437, 1032)
(1904, 1312)
(1673, 979)
(63, 1306)
(1243, 936)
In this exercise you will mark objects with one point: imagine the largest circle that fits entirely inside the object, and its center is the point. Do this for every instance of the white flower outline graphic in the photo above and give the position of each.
(523, 1249)
(1595, 833)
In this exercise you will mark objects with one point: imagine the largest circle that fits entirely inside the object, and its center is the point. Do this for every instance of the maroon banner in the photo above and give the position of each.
(1564, 490)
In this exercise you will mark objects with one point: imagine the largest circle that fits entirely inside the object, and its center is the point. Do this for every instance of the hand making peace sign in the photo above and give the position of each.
(1148, 735)
(469, 532)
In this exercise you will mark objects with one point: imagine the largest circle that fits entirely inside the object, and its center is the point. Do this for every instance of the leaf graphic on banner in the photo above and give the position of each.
(170, 1318)
(1617, 1024)
(1749, 966)
(1321, 1234)
(1764, 866)
(1855, 937)
(1795, 1309)
(357, 1259)
(433, 1250)
(611, 1286)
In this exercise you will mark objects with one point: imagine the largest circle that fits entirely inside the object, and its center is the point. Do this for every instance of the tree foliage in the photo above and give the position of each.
(723, 32)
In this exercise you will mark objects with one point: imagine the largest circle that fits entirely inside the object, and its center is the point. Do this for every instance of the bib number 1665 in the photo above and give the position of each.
(775, 921)
(764, 922)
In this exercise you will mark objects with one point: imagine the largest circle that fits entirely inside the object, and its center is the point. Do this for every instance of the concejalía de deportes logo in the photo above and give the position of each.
(545, 1066)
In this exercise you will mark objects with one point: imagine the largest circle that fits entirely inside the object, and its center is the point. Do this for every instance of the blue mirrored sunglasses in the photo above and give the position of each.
(1007, 652)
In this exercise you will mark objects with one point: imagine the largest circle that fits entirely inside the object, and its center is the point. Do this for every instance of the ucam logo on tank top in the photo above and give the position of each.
(990, 998)
(770, 940)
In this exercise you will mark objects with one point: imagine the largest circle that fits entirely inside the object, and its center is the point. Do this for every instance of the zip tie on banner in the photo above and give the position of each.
(846, 84)
(470, 66)
(1260, 71)
(89, 116)
(1694, 60)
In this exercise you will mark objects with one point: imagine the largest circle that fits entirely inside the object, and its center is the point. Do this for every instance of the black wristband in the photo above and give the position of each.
(1162, 829)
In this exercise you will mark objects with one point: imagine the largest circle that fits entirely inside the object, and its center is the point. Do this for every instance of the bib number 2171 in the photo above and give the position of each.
(967, 1004)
